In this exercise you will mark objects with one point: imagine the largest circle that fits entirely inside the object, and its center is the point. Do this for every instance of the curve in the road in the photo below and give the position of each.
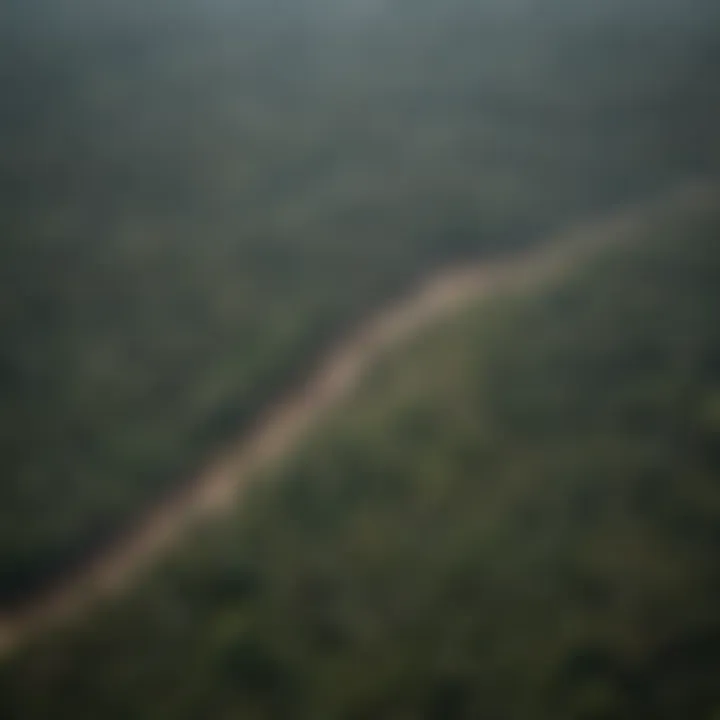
(220, 485)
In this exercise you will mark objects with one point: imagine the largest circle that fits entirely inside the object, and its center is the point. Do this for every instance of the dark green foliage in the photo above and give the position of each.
(197, 196)
(518, 519)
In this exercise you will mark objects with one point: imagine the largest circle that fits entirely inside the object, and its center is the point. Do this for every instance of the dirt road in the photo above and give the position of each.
(219, 487)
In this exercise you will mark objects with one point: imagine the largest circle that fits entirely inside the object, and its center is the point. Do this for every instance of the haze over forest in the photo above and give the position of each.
(199, 201)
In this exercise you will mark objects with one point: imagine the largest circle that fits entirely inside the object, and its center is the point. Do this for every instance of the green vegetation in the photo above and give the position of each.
(518, 518)
(197, 196)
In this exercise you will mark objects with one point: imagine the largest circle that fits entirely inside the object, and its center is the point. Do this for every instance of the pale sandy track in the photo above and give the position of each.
(220, 485)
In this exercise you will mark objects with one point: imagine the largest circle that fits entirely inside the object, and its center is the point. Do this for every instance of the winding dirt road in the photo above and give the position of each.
(219, 487)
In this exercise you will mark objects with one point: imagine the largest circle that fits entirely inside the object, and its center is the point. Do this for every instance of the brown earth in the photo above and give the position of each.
(220, 485)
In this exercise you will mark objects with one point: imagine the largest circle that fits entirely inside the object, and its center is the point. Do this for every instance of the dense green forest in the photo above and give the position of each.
(518, 518)
(197, 196)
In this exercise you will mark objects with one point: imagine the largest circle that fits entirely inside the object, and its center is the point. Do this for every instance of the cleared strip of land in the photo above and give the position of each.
(219, 487)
